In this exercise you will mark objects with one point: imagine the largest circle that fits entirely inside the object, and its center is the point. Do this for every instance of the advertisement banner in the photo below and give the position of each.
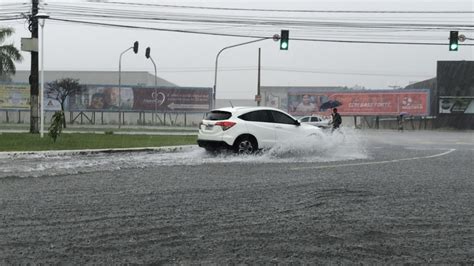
(172, 99)
(14, 96)
(456, 105)
(360, 103)
(102, 98)
(111, 98)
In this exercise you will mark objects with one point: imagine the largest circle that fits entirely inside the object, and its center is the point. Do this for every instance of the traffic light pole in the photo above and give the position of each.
(259, 97)
(217, 62)
(120, 85)
(135, 50)
(155, 91)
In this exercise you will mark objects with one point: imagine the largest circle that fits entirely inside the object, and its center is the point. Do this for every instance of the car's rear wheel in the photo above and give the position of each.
(245, 145)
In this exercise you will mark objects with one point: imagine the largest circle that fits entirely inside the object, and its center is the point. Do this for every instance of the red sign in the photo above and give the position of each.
(360, 103)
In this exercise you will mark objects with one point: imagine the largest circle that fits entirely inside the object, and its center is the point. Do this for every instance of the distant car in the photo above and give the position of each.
(315, 121)
(248, 129)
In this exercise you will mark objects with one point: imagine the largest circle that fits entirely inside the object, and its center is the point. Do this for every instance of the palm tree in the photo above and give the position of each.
(8, 54)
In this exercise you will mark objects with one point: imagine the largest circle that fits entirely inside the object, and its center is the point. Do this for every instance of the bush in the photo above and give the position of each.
(56, 126)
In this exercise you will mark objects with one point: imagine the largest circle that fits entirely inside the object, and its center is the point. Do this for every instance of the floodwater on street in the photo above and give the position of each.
(323, 148)
(371, 197)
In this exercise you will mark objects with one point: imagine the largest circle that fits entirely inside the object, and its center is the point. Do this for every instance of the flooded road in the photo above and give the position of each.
(369, 197)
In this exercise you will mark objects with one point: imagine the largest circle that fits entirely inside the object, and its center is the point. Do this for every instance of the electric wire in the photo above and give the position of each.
(319, 29)
(300, 10)
(245, 36)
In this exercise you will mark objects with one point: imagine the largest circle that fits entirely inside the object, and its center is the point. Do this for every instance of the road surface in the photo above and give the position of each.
(372, 197)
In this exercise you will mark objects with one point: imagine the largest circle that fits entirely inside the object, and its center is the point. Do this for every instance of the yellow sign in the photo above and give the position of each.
(14, 96)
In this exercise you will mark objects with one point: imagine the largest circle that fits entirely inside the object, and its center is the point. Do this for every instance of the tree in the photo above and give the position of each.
(62, 88)
(8, 55)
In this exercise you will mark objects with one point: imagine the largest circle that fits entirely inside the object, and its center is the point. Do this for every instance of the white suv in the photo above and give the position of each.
(248, 129)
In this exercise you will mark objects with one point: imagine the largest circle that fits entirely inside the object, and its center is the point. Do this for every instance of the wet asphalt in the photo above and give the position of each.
(409, 201)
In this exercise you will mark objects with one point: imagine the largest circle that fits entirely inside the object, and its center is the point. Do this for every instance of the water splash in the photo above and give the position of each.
(347, 144)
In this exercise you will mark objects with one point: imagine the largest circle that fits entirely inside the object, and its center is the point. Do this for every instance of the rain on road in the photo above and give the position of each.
(365, 196)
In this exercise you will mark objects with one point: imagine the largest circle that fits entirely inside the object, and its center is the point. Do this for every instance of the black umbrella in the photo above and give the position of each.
(329, 104)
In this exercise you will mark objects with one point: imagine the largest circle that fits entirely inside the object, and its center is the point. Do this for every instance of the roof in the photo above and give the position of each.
(141, 78)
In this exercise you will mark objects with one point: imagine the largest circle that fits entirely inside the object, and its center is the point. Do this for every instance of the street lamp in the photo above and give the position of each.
(147, 55)
(42, 17)
(135, 50)
(217, 61)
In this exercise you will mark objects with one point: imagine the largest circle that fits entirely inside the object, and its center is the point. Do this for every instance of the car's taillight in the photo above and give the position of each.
(225, 124)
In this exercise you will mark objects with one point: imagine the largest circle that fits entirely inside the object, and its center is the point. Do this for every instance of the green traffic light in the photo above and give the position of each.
(454, 47)
(453, 40)
(284, 39)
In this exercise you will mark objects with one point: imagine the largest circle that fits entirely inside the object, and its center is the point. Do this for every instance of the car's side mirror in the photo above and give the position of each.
(297, 123)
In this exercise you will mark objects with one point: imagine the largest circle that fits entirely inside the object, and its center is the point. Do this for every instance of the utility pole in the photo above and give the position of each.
(34, 91)
(259, 97)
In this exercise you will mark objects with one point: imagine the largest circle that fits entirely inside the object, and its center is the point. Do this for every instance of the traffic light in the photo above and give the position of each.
(453, 40)
(135, 47)
(284, 39)
(147, 52)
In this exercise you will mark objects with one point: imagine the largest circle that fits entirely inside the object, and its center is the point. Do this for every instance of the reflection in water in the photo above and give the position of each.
(326, 147)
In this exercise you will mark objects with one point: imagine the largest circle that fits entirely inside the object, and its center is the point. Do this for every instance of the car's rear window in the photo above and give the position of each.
(218, 115)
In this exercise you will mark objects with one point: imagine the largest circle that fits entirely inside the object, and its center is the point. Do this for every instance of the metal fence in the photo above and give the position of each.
(184, 119)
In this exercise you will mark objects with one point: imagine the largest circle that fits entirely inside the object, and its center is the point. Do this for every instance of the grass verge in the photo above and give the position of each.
(77, 141)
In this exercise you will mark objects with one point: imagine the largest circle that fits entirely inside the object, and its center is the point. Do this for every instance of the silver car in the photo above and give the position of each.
(315, 121)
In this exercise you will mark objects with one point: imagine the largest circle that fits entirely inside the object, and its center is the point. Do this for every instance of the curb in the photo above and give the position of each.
(167, 133)
(96, 151)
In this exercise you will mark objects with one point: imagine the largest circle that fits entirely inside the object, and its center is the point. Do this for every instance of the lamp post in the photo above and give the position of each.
(135, 50)
(147, 55)
(43, 17)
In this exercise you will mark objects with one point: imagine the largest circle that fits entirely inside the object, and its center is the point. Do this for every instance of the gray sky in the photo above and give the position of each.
(188, 59)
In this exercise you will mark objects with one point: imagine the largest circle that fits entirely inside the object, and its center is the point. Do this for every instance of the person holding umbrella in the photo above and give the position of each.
(336, 119)
(401, 121)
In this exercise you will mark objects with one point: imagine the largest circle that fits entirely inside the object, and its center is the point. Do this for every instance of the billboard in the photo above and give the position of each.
(162, 99)
(102, 98)
(456, 105)
(14, 96)
(413, 102)
(172, 99)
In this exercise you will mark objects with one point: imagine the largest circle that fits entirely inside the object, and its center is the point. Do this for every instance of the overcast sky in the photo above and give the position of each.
(188, 59)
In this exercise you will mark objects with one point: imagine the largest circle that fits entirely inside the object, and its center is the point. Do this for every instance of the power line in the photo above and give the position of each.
(297, 10)
(245, 36)
(233, 19)
(215, 18)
